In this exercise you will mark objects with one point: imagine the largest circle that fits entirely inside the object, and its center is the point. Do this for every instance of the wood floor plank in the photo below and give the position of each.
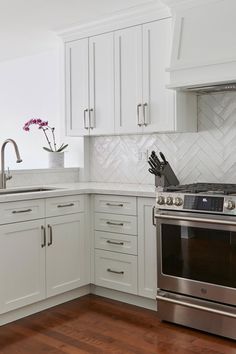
(93, 324)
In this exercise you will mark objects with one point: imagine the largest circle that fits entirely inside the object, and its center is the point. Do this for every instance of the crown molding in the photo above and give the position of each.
(184, 4)
(151, 11)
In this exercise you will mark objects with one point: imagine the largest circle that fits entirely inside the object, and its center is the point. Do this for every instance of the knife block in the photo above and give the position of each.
(168, 177)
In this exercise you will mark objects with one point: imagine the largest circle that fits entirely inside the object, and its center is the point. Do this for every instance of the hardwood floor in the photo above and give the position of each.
(96, 325)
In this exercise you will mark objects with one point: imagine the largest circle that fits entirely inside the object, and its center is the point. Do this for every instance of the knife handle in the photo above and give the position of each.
(163, 158)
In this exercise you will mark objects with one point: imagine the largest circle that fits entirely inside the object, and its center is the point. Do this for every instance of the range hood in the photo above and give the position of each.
(203, 53)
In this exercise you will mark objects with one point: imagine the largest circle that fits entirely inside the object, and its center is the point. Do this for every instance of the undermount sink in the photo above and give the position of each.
(25, 190)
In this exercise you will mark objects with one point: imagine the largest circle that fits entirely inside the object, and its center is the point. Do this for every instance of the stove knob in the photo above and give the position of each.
(160, 200)
(169, 200)
(178, 201)
(229, 204)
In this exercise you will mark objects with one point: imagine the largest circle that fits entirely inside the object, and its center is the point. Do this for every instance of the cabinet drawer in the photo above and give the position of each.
(64, 205)
(124, 224)
(115, 242)
(21, 211)
(116, 271)
(115, 204)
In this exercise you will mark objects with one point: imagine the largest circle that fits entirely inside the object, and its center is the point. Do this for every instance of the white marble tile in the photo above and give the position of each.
(208, 155)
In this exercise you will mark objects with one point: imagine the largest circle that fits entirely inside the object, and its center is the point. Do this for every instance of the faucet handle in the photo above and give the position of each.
(8, 174)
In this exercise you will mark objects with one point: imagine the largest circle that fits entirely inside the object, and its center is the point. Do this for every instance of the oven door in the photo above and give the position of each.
(197, 255)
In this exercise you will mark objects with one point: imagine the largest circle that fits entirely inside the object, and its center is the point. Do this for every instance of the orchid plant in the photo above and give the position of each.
(49, 133)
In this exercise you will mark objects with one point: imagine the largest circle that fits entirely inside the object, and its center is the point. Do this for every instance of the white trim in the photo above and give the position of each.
(186, 4)
(43, 305)
(133, 16)
(124, 297)
(200, 65)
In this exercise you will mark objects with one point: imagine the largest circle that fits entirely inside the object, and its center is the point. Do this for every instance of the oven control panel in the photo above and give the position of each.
(204, 203)
(196, 202)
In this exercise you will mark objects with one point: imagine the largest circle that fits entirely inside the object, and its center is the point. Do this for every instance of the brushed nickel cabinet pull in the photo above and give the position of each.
(85, 125)
(115, 271)
(44, 236)
(138, 106)
(21, 211)
(115, 243)
(115, 205)
(50, 235)
(115, 223)
(91, 119)
(145, 116)
(65, 205)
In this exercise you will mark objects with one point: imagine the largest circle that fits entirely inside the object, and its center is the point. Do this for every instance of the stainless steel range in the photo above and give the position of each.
(196, 246)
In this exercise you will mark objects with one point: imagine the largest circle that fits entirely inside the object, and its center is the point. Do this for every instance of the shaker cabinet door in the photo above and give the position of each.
(22, 264)
(128, 80)
(77, 88)
(158, 101)
(65, 256)
(101, 74)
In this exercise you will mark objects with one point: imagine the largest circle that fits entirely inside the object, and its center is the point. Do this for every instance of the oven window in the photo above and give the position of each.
(199, 254)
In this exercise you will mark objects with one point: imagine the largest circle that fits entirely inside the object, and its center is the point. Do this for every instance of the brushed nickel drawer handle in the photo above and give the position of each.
(115, 205)
(115, 243)
(65, 205)
(44, 236)
(21, 211)
(50, 235)
(115, 223)
(115, 271)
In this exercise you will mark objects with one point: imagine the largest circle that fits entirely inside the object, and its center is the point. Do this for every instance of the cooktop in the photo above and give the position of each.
(205, 188)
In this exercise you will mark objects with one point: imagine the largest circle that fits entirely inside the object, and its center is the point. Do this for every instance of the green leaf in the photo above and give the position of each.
(63, 147)
(47, 149)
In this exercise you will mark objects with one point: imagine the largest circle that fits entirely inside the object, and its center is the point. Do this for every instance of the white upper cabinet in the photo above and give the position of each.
(158, 102)
(90, 86)
(143, 104)
(101, 88)
(116, 84)
(77, 88)
(128, 80)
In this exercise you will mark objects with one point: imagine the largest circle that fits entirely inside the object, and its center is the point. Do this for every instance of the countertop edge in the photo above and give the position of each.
(59, 190)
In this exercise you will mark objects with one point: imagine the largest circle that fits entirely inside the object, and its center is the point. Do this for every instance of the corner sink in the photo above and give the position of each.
(25, 190)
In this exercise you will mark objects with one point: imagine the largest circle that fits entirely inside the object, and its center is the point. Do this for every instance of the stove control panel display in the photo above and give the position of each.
(206, 203)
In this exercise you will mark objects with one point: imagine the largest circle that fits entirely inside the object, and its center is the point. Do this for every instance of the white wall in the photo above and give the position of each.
(31, 87)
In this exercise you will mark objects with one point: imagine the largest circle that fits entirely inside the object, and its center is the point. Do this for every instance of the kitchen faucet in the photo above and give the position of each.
(3, 176)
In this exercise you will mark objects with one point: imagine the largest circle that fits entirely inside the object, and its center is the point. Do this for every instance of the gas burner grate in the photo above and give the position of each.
(209, 188)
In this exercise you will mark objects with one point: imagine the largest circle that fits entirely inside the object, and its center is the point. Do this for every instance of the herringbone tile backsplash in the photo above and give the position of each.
(206, 156)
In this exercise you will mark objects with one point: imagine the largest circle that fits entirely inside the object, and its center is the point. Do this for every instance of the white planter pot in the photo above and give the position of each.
(56, 159)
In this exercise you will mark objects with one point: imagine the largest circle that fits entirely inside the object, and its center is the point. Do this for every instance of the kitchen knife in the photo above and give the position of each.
(154, 162)
(163, 158)
(155, 157)
(152, 165)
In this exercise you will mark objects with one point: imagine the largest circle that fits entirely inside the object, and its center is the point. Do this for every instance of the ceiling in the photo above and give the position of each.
(26, 26)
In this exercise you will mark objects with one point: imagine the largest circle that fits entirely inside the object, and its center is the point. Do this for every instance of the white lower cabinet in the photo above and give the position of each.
(65, 253)
(22, 264)
(147, 249)
(116, 242)
(45, 257)
(116, 271)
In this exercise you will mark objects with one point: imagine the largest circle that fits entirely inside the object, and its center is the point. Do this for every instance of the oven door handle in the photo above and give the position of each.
(187, 218)
(194, 306)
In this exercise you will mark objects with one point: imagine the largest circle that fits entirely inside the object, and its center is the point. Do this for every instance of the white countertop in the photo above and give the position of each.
(138, 190)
